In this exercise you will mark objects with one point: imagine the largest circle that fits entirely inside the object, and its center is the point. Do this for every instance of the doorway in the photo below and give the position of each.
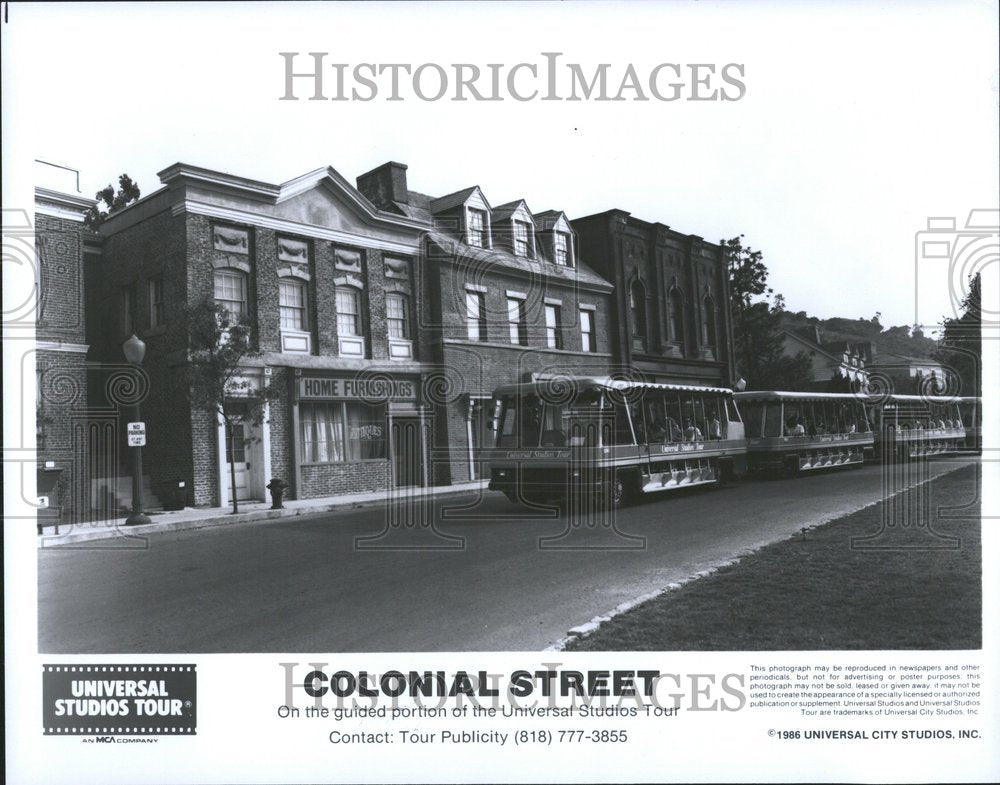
(407, 452)
(238, 455)
(480, 435)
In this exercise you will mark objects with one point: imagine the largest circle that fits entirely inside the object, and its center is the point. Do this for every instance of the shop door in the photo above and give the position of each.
(237, 457)
(407, 452)
(480, 434)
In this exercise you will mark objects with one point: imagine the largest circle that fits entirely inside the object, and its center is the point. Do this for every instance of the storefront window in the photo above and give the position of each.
(338, 432)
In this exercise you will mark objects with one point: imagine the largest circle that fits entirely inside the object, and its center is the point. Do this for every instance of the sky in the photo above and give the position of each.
(858, 122)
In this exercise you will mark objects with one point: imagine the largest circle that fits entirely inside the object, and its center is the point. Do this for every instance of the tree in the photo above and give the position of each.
(221, 344)
(128, 192)
(759, 346)
(960, 347)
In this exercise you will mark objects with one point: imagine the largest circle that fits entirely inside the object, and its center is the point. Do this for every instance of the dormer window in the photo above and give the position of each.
(478, 236)
(561, 248)
(522, 238)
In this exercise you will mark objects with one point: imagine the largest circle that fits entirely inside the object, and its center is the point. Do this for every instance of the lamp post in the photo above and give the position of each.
(135, 351)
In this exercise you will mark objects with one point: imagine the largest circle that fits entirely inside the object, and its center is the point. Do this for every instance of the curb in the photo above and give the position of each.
(255, 516)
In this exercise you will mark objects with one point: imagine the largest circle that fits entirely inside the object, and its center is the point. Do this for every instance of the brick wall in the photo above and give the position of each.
(60, 315)
(467, 368)
(318, 479)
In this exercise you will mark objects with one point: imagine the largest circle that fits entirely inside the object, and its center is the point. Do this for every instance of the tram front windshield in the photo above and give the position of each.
(529, 420)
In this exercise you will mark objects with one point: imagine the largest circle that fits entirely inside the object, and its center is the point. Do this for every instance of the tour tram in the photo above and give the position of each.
(917, 426)
(803, 431)
(971, 410)
(612, 439)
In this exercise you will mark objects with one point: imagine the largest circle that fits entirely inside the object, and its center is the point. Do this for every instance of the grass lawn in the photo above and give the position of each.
(816, 591)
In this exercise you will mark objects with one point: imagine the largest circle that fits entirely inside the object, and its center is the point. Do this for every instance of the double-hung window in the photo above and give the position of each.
(522, 238)
(517, 321)
(477, 228)
(561, 247)
(553, 327)
(588, 344)
(475, 315)
(155, 295)
(231, 291)
(292, 305)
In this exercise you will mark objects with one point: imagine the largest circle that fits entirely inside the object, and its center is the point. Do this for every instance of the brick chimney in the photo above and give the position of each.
(385, 185)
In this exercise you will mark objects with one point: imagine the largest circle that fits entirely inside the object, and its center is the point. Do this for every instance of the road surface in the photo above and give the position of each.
(484, 583)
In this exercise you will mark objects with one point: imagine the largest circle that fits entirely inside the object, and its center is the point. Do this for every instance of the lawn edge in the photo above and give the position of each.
(587, 629)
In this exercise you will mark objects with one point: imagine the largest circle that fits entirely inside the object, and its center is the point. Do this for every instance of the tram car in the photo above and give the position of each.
(918, 426)
(795, 432)
(971, 410)
(611, 438)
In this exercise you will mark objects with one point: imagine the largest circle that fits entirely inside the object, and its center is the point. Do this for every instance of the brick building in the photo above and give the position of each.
(328, 281)
(670, 312)
(62, 423)
(383, 316)
(510, 299)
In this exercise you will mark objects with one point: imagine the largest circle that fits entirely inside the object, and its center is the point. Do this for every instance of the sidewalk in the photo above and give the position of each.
(204, 517)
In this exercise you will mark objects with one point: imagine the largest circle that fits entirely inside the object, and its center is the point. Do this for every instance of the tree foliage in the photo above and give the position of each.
(113, 201)
(756, 314)
(221, 349)
(960, 347)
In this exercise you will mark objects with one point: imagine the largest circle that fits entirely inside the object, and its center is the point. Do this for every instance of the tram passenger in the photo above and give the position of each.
(674, 430)
(798, 428)
(691, 433)
(714, 426)
(657, 431)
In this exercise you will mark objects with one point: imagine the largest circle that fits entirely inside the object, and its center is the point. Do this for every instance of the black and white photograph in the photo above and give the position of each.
(418, 392)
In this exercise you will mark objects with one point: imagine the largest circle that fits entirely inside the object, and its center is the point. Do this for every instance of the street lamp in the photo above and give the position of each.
(135, 351)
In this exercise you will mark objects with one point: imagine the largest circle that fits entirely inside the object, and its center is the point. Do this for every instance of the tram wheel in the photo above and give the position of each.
(623, 490)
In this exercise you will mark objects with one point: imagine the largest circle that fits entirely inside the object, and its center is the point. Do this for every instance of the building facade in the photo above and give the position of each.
(382, 319)
(511, 301)
(62, 422)
(835, 366)
(327, 280)
(670, 311)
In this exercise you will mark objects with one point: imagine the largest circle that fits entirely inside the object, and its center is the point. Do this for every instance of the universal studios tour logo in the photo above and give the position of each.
(119, 700)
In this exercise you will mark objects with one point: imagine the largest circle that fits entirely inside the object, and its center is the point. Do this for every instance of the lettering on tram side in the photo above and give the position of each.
(537, 454)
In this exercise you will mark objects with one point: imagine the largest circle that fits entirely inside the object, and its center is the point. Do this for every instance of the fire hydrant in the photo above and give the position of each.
(277, 489)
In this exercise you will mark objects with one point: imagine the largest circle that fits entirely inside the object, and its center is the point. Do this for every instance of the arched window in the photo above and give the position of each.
(231, 290)
(676, 317)
(708, 317)
(637, 304)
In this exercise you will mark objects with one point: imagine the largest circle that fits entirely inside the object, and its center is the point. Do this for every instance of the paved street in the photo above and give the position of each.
(300, 584)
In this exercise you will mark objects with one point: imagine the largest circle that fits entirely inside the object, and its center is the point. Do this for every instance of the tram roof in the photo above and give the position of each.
(929, 399)
(607, 383)
(782, 395)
